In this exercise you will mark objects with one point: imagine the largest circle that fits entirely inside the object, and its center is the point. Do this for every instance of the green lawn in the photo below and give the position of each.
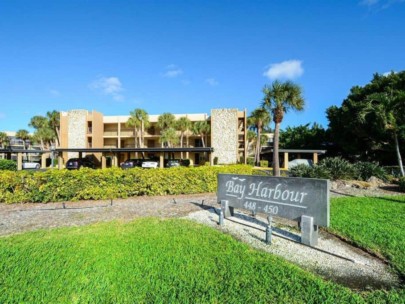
(374, 223)
(177, 261)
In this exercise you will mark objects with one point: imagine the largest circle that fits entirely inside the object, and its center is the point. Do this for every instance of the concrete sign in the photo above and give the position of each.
(285, 197)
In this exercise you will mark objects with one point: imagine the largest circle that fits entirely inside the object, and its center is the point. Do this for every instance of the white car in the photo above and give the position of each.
(150, 164)
(296, 162)
(31, 165)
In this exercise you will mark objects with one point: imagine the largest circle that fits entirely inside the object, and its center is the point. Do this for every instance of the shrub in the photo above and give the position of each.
(250, 161)
(62, 185)
(264, 163)
(402, 184)
(365, 170)
(337, 168)
(215, 160)
(6, 164)
(302, 170)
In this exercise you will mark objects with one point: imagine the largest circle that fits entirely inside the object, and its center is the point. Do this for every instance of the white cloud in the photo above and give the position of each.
(54, 93)
(389, 73)
(369, 2)
(212, 81)
(172, 71)
(111, 86)
(289, 69)
(380, 4)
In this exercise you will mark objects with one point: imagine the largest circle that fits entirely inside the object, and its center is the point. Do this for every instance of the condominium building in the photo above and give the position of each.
(83, 130)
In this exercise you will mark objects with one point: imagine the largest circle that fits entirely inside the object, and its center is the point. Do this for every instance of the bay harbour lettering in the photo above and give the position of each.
(262, 191)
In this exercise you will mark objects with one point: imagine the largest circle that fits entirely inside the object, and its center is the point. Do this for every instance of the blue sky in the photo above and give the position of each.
(189, 56)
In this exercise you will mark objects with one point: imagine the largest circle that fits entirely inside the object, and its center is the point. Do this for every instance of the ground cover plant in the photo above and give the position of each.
(151, 261)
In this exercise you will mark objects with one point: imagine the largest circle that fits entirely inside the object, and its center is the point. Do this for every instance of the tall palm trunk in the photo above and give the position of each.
(276, 164)
(258, 143)
(181, 143)
(401, 167)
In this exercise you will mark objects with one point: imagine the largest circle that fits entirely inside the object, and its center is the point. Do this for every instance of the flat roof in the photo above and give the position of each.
(270, 150)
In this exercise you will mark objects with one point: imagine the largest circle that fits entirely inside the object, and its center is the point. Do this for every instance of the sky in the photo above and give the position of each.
(190, 56)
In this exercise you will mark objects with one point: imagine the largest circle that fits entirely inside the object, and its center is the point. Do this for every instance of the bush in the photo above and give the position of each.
(336, 168)
(87, 184)
(250, 161)
(365, 170)
(402, 184)
(264, 163)
(6, 164)
(302, 170)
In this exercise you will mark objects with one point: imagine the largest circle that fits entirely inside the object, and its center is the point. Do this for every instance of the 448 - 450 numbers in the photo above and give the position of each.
(268, 208)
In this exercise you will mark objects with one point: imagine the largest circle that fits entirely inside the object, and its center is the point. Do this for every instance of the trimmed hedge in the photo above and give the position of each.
(7, 164)
(88, 184)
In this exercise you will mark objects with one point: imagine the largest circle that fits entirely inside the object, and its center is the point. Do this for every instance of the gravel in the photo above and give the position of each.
(332, 258)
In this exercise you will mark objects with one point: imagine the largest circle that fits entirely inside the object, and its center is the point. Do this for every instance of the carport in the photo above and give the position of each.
(268, 153)
(8, 152)
(115, 152)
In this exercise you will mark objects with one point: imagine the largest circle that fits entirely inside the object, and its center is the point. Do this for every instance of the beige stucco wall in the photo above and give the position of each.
(224, 135)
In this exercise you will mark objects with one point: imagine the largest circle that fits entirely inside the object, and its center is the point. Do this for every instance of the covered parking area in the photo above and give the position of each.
(115, 154)
(267, 153)
(19, 154)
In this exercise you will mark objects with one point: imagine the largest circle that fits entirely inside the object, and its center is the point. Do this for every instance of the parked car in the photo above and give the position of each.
(296, 162)
(172, 163)
(77, 163)
(31, 165)
(150, 164)
(131, 163)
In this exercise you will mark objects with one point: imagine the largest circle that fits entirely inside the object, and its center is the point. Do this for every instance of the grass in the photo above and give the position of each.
(377, 224)
(177, 261)
(151, 261)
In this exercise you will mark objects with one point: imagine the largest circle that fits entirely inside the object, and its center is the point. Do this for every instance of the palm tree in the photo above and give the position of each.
(201, 128)
(279, 98)
(3, 139)
(169, 137)
(183, 125)
(386, 108)
(54, 124)
(39, 123)
(166, 121)
(139, 120)
(259, 118)
(23, 135)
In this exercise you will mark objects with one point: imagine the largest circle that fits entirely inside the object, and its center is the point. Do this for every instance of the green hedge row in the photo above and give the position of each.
(88, 184)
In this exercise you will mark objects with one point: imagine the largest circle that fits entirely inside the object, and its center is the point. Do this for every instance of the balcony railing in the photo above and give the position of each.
(110, 133)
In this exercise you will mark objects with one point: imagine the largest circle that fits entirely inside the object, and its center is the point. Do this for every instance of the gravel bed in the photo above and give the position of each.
(332, 258)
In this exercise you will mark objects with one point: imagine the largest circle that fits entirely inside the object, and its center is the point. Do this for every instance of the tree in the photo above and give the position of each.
(139, 120)
(259, 118)
(4, 140)
(24, 135)
(370, 120)
(166, 121)
(201, 128)
(54, 124)
(47, 128)
(279, 98)
(303, 137)
(169, 137)
(183, 124)
(383, 107)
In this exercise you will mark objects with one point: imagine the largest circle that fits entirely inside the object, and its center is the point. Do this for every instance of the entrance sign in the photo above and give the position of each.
(305, 200)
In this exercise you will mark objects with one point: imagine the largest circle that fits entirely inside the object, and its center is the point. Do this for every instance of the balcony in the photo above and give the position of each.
(110, 133)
